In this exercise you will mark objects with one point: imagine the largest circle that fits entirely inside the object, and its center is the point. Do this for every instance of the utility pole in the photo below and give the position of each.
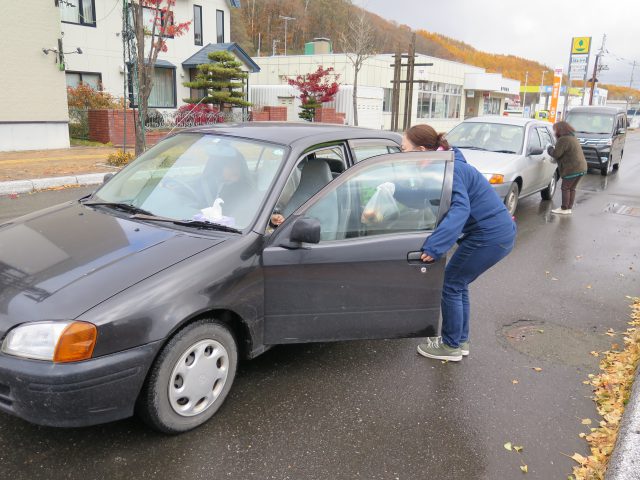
(633, 67)
(541, 88)
(286, 20)
(595, 69)
(524, 97)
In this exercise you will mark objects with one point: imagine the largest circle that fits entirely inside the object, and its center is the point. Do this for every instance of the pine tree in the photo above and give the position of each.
(220, 81)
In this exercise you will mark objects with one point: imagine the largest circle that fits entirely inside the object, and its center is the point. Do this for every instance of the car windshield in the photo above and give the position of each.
(493, 137)
(200, 177)
(587, 122)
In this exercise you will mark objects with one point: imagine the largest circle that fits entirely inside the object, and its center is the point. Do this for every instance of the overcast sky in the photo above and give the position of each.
(539, 30)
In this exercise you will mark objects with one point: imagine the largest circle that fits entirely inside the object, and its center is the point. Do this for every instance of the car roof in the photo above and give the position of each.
(289, 133)
(519, 121)
(597, 109)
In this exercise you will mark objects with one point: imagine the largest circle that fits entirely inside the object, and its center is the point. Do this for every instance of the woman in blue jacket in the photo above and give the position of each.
(485, 232)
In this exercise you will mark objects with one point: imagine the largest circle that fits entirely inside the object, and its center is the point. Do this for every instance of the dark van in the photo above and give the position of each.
(601, 132)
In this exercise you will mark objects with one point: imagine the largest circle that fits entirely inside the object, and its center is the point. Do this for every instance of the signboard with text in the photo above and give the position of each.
(555, 93)
(579, 58)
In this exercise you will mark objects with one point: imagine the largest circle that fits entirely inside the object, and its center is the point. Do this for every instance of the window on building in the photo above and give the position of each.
(163, 93)
(439, 100)
(149, 16)
(197, 24)
(94, 80)
(220, 26)
(492, 106)
(81, 12)
(195, 93)
(387, 99)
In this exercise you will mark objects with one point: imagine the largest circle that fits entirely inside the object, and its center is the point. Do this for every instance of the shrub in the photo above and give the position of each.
(83, 96)
(119, 158)
(198, 114)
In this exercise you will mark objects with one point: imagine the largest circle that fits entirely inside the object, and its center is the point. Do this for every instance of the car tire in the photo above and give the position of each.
(511, 198)
(190, 379)
(608, 168)
(548, 192)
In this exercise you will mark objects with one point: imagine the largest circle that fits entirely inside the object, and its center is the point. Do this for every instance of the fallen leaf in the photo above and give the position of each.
(594, 353)
(578, 257)
(540, 331)
(588, 286)
(518, 448)
(508, 446)
(547, 272)
(537, 369)
(586, 421)
(554, 278)
(579, 458)
(582, 434)
(524, 469)
(515, 382)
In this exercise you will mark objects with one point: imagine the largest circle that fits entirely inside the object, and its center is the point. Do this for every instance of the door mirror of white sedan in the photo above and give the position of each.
(535, 151)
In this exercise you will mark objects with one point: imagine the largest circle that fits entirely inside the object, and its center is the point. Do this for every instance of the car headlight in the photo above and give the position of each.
(63, 341)
(494, 178)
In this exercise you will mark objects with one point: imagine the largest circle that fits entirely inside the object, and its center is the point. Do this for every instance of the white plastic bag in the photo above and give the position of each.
(381, 206)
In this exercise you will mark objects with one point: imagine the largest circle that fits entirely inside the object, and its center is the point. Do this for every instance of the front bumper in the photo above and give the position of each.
(77, 394)
(596, 156)
(502, 189)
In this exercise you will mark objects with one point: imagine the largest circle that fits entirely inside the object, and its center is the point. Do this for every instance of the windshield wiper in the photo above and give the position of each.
(126, 207)
(503, 151)
(469, 147)
(188, 223)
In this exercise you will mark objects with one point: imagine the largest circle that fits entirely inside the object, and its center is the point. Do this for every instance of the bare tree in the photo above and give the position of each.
(359, 44)
(158, 25)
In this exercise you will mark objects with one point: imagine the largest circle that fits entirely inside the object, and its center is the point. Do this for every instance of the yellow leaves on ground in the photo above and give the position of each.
(537, 369)
(518, 449)
(611, 388)
(515, 382)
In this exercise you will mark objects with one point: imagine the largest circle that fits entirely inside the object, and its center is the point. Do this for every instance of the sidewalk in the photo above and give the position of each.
(27, 171)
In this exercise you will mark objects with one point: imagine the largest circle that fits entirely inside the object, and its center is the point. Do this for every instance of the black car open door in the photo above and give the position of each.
(346, 265)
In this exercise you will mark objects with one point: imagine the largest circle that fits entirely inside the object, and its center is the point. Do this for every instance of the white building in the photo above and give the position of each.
(446, 92)
(95, 26)
(34, 111)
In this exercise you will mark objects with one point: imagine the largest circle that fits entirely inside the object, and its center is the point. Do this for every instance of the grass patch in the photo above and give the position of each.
(611, 388)
(78, 142)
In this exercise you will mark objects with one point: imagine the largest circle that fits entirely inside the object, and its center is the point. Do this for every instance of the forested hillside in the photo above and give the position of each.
(257, 24)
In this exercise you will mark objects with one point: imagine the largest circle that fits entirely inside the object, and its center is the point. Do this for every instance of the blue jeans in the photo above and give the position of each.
(471, 259)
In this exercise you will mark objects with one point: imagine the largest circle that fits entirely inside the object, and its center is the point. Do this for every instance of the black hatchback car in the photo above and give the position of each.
(143, 296)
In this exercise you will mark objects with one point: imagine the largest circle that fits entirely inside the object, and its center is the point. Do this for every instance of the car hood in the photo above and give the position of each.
(58, 263)
(490, 162)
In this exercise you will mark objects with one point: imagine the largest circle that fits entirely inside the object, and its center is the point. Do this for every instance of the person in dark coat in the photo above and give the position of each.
(571, 164)
(484, 230)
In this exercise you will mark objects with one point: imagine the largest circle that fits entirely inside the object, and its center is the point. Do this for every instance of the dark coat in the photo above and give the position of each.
(568, 154)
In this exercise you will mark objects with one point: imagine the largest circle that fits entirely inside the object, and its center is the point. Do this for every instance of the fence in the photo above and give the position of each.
(79, 123)
(186, 119)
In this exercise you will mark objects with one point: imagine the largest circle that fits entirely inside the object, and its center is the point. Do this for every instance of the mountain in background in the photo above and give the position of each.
(258, 29)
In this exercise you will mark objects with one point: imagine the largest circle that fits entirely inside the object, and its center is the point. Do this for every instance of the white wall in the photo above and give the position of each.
(33, 95)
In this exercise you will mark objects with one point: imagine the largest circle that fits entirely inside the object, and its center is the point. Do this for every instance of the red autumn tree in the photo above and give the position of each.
(315, 89)
(152, 21)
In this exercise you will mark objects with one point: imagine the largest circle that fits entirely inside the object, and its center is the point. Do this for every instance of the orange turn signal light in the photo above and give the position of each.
(496, 179)
(76, 342)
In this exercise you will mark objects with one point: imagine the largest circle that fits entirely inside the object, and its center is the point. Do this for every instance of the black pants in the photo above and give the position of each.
(569, 191)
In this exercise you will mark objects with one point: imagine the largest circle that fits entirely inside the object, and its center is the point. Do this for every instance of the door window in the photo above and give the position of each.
(363, 149)
(545, 136)
(534, 140)
(384, 198)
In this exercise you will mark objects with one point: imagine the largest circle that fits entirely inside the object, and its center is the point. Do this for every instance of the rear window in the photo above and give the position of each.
(587, 122)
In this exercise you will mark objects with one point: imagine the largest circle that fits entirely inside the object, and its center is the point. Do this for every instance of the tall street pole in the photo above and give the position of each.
(286, 20)
(633, 67)
(595, 69)
(524, 97)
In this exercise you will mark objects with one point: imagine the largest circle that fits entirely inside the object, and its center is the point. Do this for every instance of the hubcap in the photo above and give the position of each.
(552, 185)
(198, 377)
(511, 202)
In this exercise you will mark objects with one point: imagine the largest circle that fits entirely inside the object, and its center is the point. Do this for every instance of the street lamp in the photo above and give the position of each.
(286, 20)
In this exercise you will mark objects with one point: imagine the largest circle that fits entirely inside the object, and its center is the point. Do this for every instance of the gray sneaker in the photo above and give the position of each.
(464, 348)
(435, 348)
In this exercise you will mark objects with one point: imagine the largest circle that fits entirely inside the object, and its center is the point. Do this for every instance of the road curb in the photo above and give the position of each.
(624, 463)
(28, 186)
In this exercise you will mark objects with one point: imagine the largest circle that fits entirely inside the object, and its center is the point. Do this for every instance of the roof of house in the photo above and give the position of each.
(201, 56)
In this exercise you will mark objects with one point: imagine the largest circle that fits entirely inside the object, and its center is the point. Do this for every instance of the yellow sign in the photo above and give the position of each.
(580, 45)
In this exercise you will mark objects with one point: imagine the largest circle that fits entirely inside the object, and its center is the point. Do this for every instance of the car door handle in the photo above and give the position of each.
(416, 257)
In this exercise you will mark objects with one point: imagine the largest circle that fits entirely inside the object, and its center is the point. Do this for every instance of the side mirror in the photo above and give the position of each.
(305, 230)
(107, 177)
(535, 151)
(621, 131)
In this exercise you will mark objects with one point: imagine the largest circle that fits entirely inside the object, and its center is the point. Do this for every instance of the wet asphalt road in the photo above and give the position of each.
(377, 410)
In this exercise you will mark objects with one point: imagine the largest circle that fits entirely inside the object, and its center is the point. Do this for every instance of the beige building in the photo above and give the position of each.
(32, 86)
(445, 93)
